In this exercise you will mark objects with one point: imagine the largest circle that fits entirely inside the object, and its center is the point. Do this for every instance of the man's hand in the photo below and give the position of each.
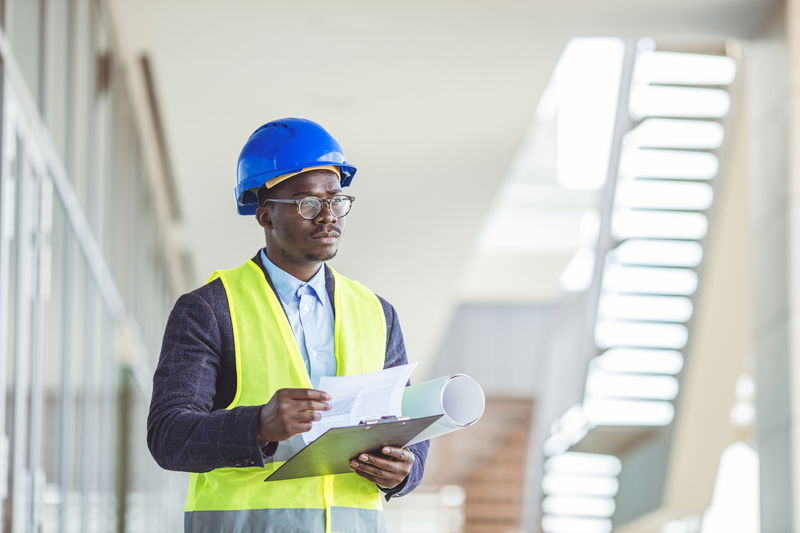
(289, 412)
(387, 472)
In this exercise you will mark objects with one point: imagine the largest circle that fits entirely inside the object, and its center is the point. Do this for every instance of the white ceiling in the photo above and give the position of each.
(429, 99)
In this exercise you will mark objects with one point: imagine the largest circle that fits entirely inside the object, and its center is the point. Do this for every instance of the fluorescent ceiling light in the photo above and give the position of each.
(634, 360)
(584, 463)
(659, 252)
(663, 308)
(652, 101)
(644, 163)
(643, 386)
(683, 68)
(649, 280)
(607, 412)
(674, 133)
(657, 224)
(643, 194)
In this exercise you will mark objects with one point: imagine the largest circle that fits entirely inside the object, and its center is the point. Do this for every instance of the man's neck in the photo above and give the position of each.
(302, 271)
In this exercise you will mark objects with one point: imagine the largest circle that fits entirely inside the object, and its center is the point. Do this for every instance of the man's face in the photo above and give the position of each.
(294, 238)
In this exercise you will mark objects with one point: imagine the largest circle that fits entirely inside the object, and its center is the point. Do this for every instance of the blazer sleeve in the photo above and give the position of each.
(183, 431)
(396, 355)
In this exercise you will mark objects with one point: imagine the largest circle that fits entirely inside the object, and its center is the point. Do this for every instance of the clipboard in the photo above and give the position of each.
(332, 451)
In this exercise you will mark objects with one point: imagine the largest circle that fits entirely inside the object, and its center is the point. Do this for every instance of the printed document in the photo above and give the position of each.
(362, 397)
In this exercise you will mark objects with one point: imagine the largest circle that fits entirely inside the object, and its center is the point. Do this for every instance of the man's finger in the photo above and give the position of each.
(307, 416)
(373, 471)
(300, 427)
(398, 453)
(308, 394)
(384, 464)
(312, 405)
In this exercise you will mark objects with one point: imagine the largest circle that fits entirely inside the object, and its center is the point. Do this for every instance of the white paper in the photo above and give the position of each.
(361, 397)
(457, 397)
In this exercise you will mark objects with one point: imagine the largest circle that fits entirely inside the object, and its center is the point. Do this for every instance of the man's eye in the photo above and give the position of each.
(308, 202)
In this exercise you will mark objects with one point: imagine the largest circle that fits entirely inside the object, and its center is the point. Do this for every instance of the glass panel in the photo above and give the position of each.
(11, 220)
(53, 425)
(57, 72)
(61, 380)
(26, 42)
(82, 81)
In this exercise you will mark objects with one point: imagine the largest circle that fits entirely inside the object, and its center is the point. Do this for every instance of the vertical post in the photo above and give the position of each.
(793, 244)
(20, 487)
(6, 231)
(124, 408)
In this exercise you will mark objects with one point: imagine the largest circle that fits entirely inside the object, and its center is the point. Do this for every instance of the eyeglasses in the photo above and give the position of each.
(311, 206)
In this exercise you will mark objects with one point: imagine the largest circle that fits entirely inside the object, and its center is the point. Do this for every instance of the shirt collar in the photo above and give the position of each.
(286, 285)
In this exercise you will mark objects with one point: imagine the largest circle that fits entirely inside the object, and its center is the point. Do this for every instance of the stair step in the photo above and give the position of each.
(644, 321)
(665, 210)
(638, 120)
(634, 293)
(722, 87)
(664, 178)
(650, 265)
(680, 149)
(667, 239)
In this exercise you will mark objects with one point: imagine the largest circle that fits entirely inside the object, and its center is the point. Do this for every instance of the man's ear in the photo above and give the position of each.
(263, 216)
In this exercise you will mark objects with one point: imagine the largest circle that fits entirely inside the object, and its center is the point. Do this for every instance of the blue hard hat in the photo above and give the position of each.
(282, 147)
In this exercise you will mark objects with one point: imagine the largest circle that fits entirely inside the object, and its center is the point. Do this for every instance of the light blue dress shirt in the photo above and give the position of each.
(310, 314)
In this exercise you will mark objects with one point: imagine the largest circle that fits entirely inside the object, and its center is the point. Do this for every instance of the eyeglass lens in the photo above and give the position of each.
(310, 206)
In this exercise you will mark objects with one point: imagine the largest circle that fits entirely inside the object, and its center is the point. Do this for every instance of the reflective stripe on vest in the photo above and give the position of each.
(268, 359)
(284, 520)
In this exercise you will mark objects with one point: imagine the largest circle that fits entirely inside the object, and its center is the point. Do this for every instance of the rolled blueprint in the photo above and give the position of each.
(457, 397)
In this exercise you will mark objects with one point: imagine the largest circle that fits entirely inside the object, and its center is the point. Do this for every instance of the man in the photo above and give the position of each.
(235, 385)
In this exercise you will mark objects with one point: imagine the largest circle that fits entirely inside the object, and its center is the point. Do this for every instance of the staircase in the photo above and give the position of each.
(664, 171)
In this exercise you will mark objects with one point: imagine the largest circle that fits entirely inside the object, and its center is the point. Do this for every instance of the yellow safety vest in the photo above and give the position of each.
(237, 500)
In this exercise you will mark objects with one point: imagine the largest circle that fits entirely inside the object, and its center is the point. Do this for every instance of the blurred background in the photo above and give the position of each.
(590, 207)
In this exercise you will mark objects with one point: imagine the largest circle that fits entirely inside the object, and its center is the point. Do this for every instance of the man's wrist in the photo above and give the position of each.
(268, 448)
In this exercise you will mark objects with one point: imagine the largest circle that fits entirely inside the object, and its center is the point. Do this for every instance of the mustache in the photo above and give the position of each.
(329, 232)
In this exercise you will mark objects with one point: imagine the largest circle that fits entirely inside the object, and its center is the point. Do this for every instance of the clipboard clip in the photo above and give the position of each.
(383, 419)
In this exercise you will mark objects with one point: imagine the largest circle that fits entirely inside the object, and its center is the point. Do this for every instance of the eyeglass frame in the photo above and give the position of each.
(323, 202)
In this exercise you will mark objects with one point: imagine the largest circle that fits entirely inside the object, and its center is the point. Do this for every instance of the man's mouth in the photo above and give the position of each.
(326, 236)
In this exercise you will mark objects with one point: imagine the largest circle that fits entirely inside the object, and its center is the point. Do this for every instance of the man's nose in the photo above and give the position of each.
(325, 214)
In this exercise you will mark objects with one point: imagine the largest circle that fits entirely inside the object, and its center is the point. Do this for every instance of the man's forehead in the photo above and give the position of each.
(318, 179)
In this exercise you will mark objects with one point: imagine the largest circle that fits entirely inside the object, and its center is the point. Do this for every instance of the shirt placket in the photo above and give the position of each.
(308, 309)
